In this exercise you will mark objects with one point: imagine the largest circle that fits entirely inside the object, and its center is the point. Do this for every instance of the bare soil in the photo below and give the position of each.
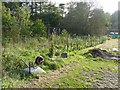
(103, 54)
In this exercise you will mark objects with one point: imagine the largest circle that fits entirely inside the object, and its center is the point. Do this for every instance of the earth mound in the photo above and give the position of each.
(103, 54)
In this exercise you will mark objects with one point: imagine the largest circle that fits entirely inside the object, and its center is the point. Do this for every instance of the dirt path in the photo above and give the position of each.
(113, 43)
(54, 75)
(50, 77)
(108, 80)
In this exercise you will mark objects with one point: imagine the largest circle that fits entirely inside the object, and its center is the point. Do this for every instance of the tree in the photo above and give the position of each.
(6, 21)
(22, 17)
(38, 29)
(76, 19)
(62, 8)
(15, 22)
(84, 19)
(98, 23)
(13, 5)
(115, 19)
(51, 16)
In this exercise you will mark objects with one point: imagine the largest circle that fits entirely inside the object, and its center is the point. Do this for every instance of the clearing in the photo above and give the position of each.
(83, 73)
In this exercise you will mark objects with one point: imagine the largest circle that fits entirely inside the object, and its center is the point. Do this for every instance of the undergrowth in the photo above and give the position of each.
(16, 56)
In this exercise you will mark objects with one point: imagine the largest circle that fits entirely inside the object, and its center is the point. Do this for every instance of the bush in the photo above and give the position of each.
(47, 62)
(38, 29)
(60, 62)
(54, 66)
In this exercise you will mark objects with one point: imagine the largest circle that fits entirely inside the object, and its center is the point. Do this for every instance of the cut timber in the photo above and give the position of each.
(103, 54)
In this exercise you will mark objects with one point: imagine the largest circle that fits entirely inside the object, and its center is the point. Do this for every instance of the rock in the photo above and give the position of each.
(64, 55)
(34, 70)
(115, 50)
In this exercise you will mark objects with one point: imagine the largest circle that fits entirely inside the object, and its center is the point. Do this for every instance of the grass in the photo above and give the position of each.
(80, 75)
(15, 53)
(76, 77)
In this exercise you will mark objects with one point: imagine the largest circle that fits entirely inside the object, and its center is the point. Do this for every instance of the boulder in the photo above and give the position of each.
(33, 70)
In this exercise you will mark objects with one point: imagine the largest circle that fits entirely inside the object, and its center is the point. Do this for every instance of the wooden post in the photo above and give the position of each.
(29, 68)
(67, 42)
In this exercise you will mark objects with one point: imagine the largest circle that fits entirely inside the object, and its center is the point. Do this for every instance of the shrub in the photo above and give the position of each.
(47, 62)
(60, 62)
(38, 28)
(54, 66)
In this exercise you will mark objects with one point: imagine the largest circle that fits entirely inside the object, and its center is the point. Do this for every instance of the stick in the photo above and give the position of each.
(29, 69)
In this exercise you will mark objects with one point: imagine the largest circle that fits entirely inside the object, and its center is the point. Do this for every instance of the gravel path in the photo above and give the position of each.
(103, 79)
(109, 80)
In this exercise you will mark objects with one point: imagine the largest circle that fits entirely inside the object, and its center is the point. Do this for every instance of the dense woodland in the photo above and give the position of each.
(40, 19)
(44, 28)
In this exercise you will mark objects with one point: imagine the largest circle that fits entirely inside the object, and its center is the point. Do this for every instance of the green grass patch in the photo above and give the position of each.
(15, 56)
(75, 78)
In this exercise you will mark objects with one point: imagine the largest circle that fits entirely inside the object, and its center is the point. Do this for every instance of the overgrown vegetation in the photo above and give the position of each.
(22, 19)
(17, 55)
(33, 29)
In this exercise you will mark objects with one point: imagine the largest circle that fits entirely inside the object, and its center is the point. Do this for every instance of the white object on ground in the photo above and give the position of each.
(115, 50)
(33, 70)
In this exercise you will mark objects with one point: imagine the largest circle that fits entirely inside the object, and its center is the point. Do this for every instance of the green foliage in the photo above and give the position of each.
(20, 21)
(51, 51)
(64, 33)
(38, 29)
(82, 20)
(6, 21)
(49, 14)
(24, 22)
(115, 20)
(16, 56)
(24, 38)
(54, 65)
(15, 23)
(57, 53)
(80, 75)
